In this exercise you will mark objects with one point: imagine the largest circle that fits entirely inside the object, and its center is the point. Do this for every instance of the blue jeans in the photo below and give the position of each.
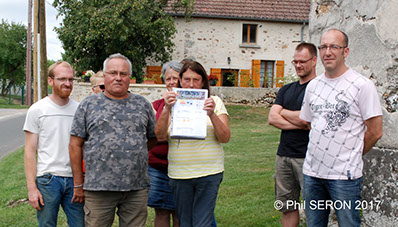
(160, 195)
(321, 194)
(58, 191)
(214, 223)
(196, 199)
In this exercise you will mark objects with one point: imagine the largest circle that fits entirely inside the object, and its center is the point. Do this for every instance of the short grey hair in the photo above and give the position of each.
(175, 65)
(118, 55)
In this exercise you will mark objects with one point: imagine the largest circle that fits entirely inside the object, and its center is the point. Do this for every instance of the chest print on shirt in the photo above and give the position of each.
(338, 116)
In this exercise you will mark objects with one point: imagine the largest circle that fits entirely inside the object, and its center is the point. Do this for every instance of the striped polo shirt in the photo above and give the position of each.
(197, 158)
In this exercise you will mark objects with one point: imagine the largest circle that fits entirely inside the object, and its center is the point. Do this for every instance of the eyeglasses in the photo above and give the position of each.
(295, 62)
(64, 79)
(331, 47)
(101, 86)
(115, 73)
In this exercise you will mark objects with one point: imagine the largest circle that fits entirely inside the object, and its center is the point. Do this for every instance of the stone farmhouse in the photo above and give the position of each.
(245, 43)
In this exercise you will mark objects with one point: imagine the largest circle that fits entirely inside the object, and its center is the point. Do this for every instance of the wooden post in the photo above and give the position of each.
(43, 49)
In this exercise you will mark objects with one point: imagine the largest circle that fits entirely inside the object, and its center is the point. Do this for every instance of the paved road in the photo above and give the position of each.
(11, 135)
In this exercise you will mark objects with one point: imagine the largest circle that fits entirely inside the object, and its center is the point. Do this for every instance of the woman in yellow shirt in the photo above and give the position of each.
(196, 166)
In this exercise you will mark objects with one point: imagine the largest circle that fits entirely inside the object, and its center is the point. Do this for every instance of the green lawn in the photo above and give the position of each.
(4, 103)
(246, 194)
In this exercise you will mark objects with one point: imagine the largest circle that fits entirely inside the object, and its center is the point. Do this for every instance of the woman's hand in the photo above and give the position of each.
(170, 97)
(220, 122)
(209, 106)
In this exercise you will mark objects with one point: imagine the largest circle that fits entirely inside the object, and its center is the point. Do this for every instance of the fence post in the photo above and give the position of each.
(9, 94)
(22, 94)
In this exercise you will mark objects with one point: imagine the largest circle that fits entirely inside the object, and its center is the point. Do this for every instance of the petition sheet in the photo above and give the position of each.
(188, 119)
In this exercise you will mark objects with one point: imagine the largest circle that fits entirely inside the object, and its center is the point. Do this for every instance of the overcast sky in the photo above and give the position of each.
(17, 11)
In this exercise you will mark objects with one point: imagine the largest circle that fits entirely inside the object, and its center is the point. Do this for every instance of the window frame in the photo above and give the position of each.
(248, 34)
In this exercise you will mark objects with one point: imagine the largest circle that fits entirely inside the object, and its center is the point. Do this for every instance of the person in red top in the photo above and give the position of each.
(160, 195)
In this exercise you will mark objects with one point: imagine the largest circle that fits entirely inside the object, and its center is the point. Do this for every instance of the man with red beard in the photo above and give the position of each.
(284, 115)
(47, 127)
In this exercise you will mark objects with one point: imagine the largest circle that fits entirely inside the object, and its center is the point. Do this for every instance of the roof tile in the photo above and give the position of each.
(284, 10)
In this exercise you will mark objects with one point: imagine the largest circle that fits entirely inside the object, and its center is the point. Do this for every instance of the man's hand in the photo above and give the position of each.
(35, 199)
(276, 119)
(78, 195)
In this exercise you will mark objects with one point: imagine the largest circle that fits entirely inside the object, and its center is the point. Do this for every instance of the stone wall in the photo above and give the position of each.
(253, 96)
(151, 92)
(211, 41)
(371, 28)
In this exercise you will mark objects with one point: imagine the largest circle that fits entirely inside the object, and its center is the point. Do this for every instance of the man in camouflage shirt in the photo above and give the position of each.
(116, 129)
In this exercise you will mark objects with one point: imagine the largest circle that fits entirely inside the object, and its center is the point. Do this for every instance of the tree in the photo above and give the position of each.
(12, 55)
(50, 62)
(94, 29)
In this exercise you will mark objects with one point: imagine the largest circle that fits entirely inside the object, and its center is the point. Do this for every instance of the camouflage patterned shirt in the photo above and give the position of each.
(115, 134)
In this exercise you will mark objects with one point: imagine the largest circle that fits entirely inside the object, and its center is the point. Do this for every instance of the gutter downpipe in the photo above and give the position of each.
(302, 32)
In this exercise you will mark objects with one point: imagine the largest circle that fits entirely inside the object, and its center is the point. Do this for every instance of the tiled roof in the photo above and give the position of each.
(272, 10)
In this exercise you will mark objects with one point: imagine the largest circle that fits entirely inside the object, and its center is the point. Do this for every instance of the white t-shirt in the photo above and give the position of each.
(52, 123)
(337, 109)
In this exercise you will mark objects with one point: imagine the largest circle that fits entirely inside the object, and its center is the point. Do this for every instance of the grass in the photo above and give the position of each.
(246, 195)
(4, 102)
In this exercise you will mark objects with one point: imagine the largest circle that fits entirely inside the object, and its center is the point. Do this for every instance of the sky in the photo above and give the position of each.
(17, 11)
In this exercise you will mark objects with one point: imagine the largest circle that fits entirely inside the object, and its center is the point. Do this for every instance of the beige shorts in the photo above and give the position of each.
(100, 207)
(288, 181)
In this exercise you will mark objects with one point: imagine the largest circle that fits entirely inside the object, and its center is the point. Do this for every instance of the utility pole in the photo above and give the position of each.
(40, 51)
(29, 58)
(35, 35)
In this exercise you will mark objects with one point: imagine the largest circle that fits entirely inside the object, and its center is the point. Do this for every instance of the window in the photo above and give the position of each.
(267, 74)
(229, 77)
(249, 33)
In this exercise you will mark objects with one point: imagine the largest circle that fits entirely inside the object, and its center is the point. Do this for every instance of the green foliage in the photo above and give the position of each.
(289, 79)
(50, 62)
(12, 55)
(94, 29)
(230, 80)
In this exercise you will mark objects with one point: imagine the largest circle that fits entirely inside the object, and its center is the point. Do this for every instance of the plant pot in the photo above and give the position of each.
(149, 82)
(213, 82)
(133, 81)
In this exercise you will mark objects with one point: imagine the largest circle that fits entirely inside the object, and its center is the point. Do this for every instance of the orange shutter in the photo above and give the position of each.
(217, 72)
(154, 72)
(245, 77)
(256, 64)
(280, 69)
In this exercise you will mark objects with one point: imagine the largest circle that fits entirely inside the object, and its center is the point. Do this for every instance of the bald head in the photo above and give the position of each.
(340, 34)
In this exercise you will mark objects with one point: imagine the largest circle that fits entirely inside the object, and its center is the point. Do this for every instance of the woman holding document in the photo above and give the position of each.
(195, 166)
(160, 196)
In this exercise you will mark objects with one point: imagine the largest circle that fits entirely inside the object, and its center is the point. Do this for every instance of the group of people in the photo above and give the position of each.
(328, 123)
(112, 131)
(131, 162)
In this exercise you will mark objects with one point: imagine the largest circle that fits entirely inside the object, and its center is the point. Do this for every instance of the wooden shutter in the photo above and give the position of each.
(154, 71)
(256, 66)
(280, 69)
(245, 77)
(217, 72)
